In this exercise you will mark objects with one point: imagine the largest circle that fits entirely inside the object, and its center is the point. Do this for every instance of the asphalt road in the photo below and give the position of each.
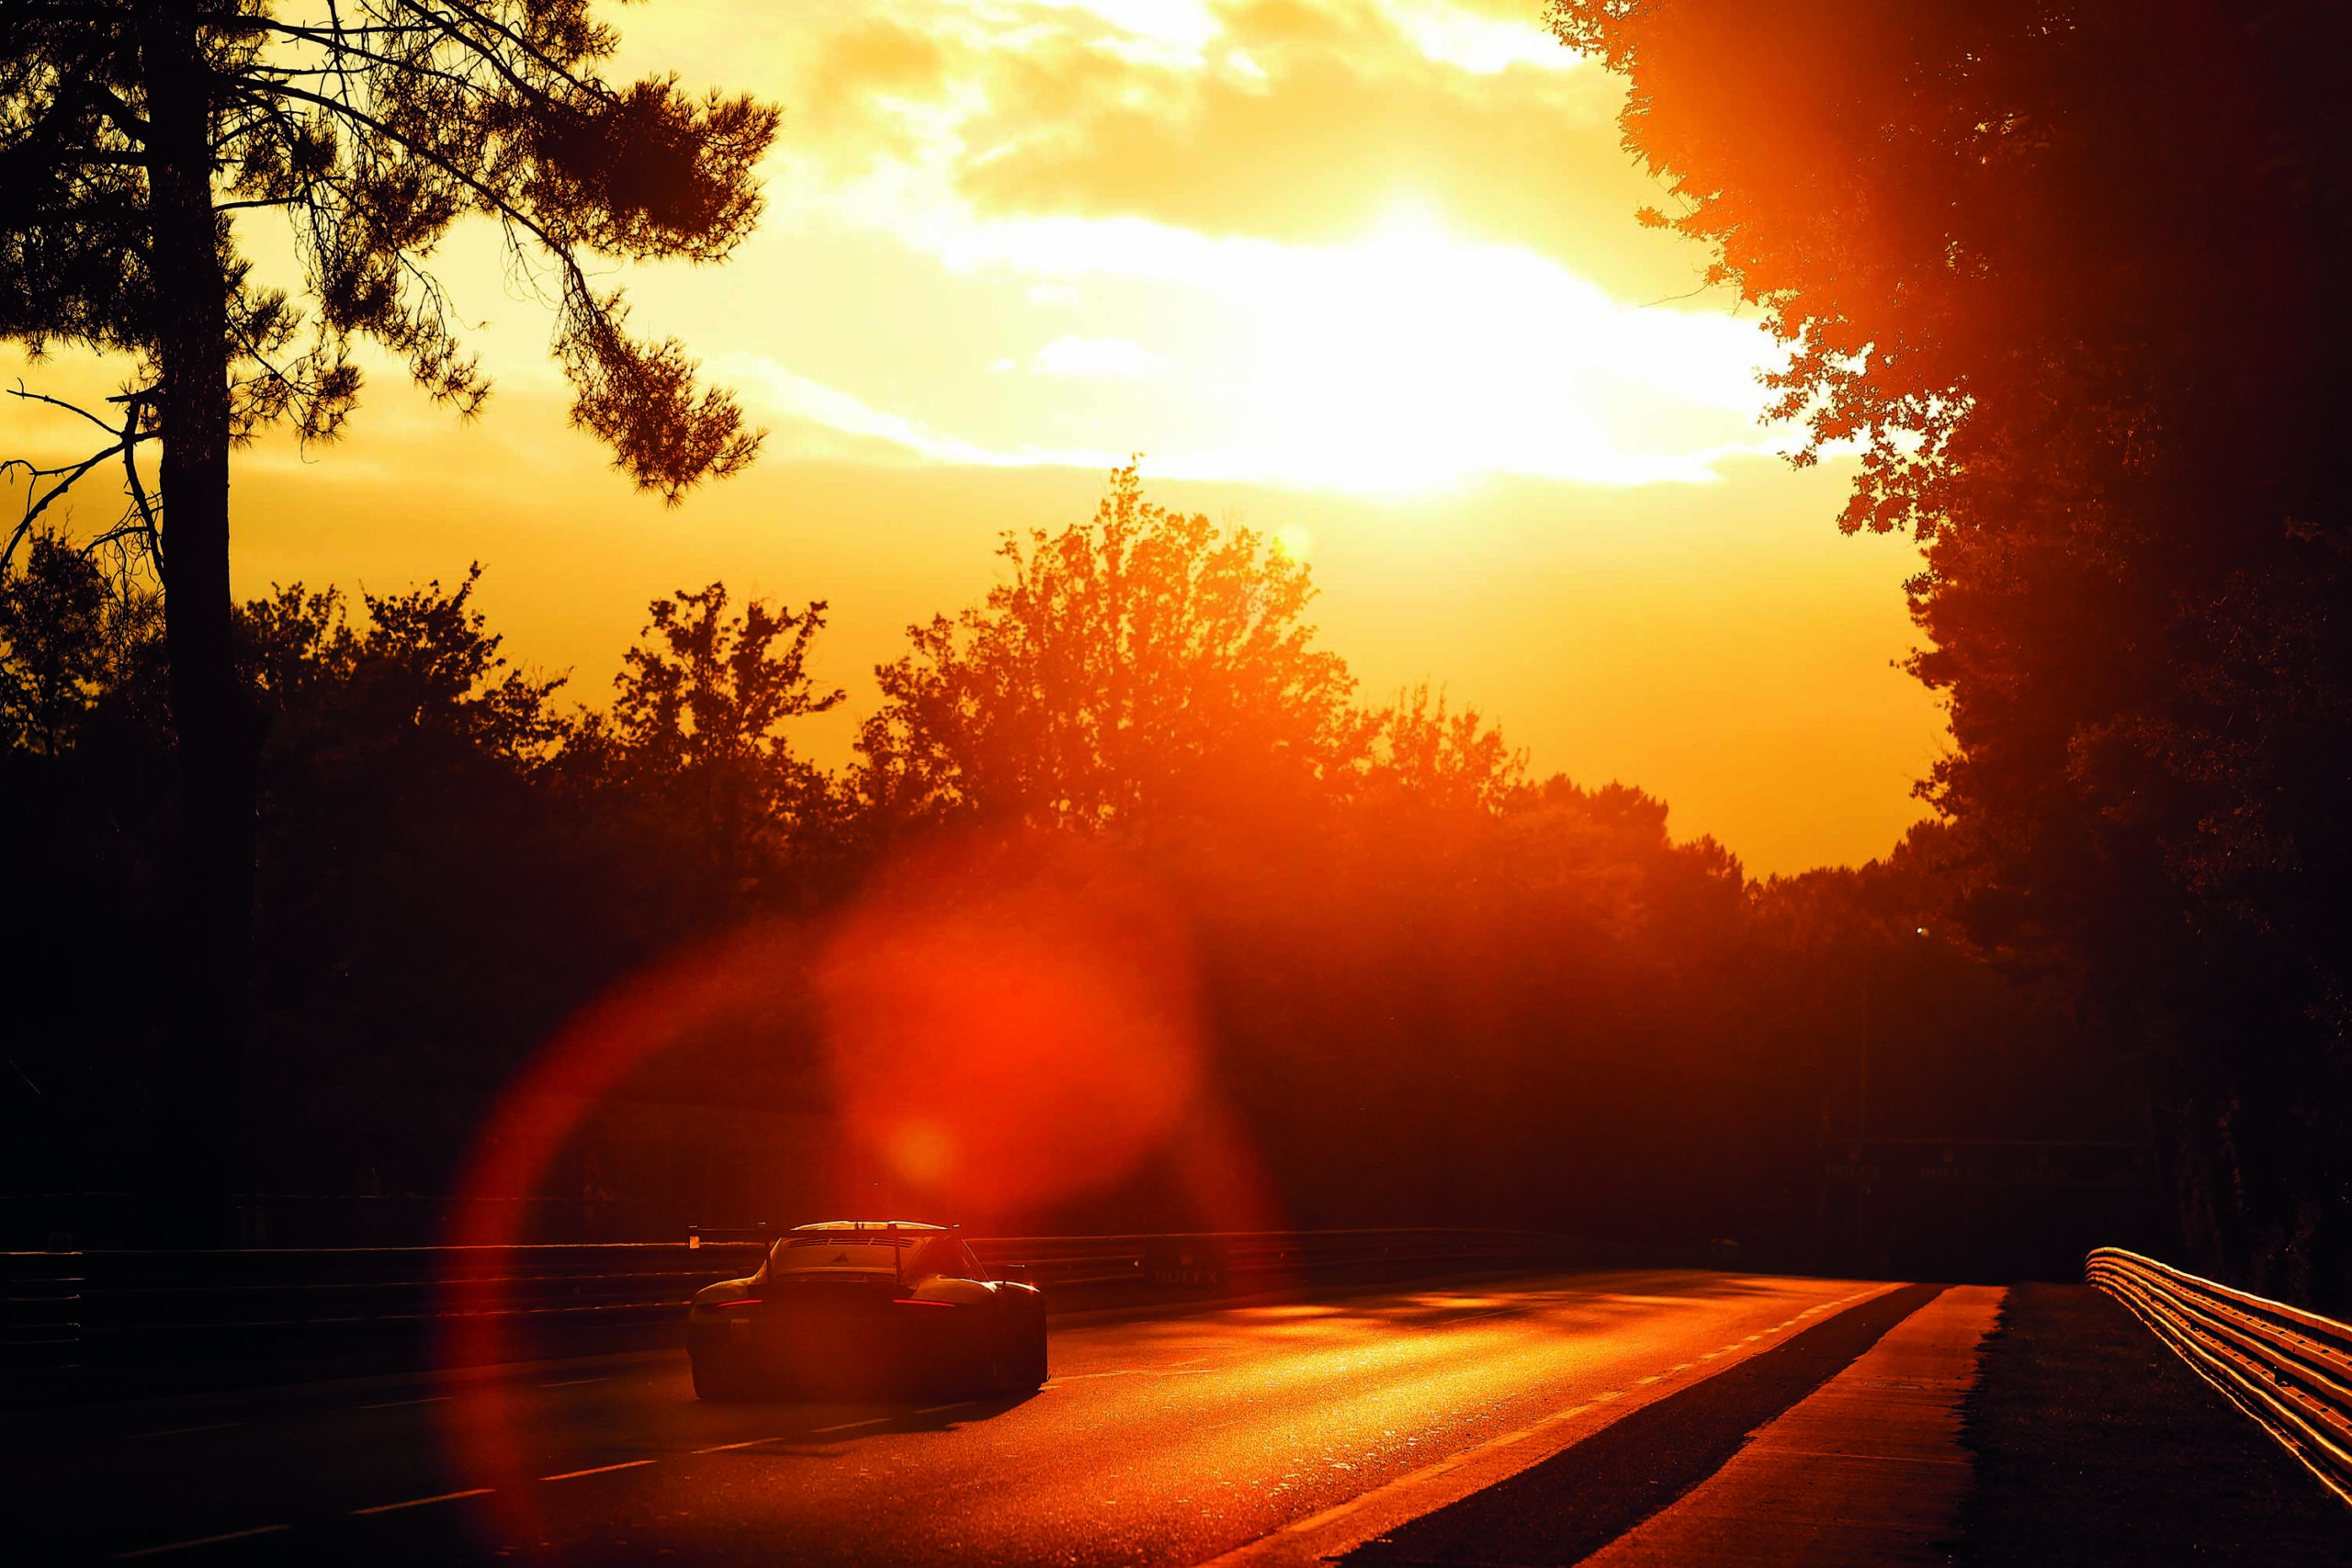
(1165, 1439)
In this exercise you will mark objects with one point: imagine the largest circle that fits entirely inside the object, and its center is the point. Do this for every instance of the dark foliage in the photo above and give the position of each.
(2066, 274)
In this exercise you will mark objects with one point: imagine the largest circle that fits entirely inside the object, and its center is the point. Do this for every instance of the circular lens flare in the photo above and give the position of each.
(1010, 1025)
(1004, 1026)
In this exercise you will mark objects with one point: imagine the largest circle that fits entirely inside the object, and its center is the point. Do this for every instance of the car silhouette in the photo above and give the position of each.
(866, 1307)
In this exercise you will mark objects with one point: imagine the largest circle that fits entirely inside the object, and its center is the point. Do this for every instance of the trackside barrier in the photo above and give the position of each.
(2288, 1368)
(1214, 1262)
(332, 1305)
(326, 1312)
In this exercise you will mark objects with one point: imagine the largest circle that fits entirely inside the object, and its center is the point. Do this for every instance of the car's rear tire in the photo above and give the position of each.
(1035, 1371)
(720, 1378)
(1003, 1361)
(1020, 1364)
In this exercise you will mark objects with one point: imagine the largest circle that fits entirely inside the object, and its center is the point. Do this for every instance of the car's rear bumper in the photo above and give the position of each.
(836, 1345)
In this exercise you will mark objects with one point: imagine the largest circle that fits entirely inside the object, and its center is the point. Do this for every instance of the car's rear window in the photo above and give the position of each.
(853, 1251)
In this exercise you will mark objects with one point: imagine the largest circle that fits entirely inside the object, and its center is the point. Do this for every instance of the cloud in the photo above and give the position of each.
(1482, 38)
(772, 389)
(1287, 119)
(1405, 362)
(1096, 358)
(1363, 245)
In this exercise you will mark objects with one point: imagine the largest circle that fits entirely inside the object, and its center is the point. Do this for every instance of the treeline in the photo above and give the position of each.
(1434, 987)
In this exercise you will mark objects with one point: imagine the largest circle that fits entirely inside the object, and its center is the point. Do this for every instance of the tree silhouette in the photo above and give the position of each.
(130, 136)
(2068, 279)
(1147, 663)
(52, 647)
(1448, 760)
(698, 721)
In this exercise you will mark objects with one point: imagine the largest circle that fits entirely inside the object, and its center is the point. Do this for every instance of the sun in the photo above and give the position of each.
(1400, 365)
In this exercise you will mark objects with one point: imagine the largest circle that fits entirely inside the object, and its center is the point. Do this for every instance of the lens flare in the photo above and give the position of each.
(1010, 1024)
(1005, 1026)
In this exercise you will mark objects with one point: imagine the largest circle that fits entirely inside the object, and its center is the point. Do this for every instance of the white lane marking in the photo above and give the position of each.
(849, 1425)
(182, 1432)
(201, 1540)
(571, 1382)
(959, 1404)
(746, 1443)
(597, 1470)
(396, 1404)
(1874, 1458)
(1137, 1372)
(420, 1502)
(1432, 1471)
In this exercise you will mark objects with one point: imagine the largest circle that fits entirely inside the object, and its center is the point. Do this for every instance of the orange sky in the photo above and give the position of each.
(1361, 270)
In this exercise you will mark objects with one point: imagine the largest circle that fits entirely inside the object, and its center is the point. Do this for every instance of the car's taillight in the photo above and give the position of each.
(740, 1301)
(917, 1302)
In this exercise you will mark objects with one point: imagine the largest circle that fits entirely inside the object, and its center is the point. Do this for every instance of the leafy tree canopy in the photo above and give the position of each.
(1147, 664)
(52, 647)
(372, 129)
(2066, 275)
(700, 719)
(425, 664)
(1446, 760)
(711, 690)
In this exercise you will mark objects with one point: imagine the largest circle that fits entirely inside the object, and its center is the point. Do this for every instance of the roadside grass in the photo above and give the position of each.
(2097, 1445)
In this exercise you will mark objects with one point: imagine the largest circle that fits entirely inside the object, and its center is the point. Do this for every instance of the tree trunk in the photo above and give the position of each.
(218, 725)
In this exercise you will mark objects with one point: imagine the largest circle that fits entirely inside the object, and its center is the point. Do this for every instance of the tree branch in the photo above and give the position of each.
(68, 475)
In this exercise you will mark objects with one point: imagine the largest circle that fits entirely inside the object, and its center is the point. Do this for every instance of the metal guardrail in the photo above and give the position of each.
(67, 1309)
(1210, 1260)
(349, 1306)
(1214, 1261)
(1987, 1162)
(2290, 1369)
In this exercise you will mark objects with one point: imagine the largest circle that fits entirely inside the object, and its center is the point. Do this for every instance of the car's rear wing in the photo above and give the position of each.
(724, 1235)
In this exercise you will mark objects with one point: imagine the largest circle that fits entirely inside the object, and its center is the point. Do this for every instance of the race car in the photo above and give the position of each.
(866, 1307)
